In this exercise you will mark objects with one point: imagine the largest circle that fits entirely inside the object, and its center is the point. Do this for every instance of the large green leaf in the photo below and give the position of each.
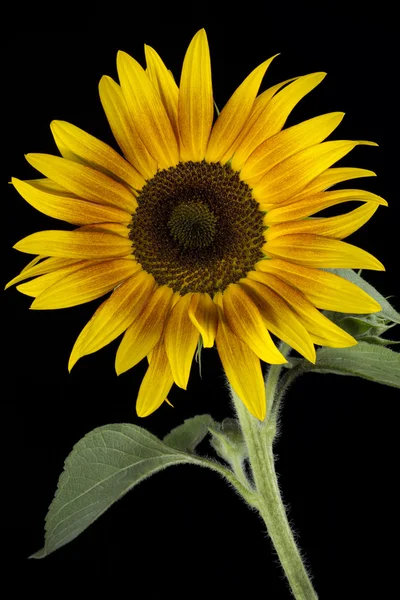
(368, 361)
(102, 467)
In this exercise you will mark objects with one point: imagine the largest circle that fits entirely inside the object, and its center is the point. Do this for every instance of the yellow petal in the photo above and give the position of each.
(33, 263)
(325, 290)
(72, 210)
(77, 145)
(234, 115)
(335, 227)
(147, 112)
(196, 105)
(242, 367)
(46, 266)
(164, 84)
(38, 285)
(317, 325)
(287, 143)
(244, 318)
(156, 383)
(259, 105)
(293, 174)
(124, 129)
(86, 284)
(145, 331)
(75, 244)
(84, 181)
(313, 204)
(321, 252)
(278, 316)
(181, 338)
(114, 316)
(273, 116)
(203, 314)
(44, 184)
(117, 228)
(331, 177)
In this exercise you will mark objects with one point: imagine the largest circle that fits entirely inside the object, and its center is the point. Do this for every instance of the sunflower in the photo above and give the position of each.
(203, 232)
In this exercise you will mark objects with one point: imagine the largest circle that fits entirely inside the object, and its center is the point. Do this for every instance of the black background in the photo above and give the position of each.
(337, 456)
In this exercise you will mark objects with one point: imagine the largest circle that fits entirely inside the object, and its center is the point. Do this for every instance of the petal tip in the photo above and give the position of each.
(17, 246)
(119, 369)
(367, 143)
(35, 304)
(143, 411)
(374, 306)
(319, 75)
(378, 266)
(260, 412)
(312, 358)
(122, 58)
(72, 362)
(104, 80)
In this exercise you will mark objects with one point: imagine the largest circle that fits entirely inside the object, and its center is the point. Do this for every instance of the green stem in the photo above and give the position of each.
(259, 440)
(272, 379)
(280, 390)
(242, 487)
(237, 466)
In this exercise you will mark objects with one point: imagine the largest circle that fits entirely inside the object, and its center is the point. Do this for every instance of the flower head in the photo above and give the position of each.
(203, 232)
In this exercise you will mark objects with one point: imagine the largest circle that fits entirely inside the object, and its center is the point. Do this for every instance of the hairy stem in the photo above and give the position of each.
(259, 439)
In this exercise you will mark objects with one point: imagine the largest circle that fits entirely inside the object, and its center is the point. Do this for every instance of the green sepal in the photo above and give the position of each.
(361, 325)
(197, 356)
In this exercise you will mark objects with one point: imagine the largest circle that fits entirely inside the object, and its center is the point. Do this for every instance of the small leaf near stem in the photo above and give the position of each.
(228, 442)
(190, 434)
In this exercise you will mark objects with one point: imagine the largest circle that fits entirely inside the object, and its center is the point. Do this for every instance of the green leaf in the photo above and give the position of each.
(102, 467)
(107, 463)
(369, 361)
(187, 436)
(387, 311)
(370, 339)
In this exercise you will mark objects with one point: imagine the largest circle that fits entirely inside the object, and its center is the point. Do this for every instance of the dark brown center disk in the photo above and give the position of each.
(197, 228)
